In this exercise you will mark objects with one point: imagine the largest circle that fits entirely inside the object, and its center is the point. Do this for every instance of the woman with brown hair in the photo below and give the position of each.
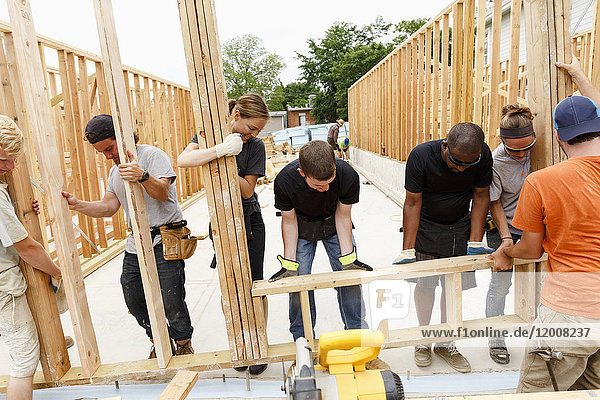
(249, 115)
(511, 167)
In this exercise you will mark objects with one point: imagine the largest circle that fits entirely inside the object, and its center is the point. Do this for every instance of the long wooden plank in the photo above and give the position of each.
(428, 78)
(53, 351)
(348, 278)
(445, 55)
(194, 55)
(453, 289)
(180, 386)
(117, 93)
(435, 106)
(595, 72)
(67, 80)
(90, 153)
(146, 370)
(457, 63)
(37, 107)
(479, 60)
(236, 227)
(515, 39)
(495, 40)
(468, 61)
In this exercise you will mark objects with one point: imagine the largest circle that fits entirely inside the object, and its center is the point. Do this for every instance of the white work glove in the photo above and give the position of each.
(476, 248)
(405, 257)
(231, 146)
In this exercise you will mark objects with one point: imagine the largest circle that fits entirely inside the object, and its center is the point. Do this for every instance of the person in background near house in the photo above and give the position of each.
(558, 213)
(249, 115)
(332, 135)
(154, 172)
(511, 167)
(315, 194)
(344, 145)
(17, 327)
(442, 177)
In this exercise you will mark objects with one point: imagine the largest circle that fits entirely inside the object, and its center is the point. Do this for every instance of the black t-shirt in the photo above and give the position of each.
(292, 192)
(446, 194)
(251, 161)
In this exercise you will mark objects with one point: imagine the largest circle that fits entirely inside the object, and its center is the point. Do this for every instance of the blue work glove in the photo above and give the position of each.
(55, 283)
(350, 262)
(476, 248)
(288, 268)
(405, 257)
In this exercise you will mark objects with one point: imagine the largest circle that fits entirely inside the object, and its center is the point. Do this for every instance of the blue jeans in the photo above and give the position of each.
(350, 301)
(501, 280)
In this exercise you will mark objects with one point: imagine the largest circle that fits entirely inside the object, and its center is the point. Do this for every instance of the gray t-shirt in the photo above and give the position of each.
(158, 164)
(508, 176)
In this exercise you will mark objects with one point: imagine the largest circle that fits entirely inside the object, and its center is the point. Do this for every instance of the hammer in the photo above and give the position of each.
(547, 354)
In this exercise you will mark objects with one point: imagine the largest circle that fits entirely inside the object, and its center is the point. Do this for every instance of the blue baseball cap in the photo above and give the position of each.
(575, 116)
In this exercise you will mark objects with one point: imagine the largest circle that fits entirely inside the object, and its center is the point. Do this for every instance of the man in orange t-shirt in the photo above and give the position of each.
(558, 212)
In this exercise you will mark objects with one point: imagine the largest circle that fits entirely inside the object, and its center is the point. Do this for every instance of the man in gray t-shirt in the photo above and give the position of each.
(154, 171)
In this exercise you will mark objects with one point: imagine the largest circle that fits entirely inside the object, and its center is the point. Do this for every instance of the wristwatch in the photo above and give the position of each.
(144, 177)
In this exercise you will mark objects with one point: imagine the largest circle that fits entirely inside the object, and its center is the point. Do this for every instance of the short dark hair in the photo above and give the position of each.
(466, 137)
(317, 160)
(585, 137)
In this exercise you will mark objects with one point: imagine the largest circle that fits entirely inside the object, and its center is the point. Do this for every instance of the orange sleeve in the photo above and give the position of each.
(529, 215)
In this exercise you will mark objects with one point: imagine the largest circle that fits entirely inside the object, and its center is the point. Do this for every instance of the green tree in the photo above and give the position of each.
(351, 66)
(323, 67)
(295, 94)
(249, 67)
(404, 29)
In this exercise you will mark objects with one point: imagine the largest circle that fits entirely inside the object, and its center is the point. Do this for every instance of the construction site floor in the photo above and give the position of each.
(377, 220)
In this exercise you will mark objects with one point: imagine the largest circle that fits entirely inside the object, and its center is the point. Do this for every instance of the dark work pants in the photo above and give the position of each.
(171, 275)
(256, 245)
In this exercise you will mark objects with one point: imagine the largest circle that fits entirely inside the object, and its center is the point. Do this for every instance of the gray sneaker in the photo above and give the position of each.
(452, 356)
(423, 355)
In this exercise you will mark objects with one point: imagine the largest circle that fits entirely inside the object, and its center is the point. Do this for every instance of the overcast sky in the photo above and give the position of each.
(149, 31)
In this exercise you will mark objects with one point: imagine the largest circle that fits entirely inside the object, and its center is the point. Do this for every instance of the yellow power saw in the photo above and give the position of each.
(341, 372)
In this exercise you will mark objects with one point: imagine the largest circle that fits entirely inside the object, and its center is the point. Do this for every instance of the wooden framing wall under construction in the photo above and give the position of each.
(460, 86)
(161, 117)
(413, 95)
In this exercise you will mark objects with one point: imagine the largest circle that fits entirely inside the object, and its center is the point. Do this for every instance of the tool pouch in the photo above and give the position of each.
(177, 242)
(315, 230)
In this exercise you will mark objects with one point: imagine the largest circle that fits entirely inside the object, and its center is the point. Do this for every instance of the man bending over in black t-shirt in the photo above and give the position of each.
(315, 195)
(442, 177)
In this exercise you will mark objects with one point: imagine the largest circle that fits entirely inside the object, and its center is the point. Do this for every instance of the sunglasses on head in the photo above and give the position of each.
(461, 163)
(526, 148)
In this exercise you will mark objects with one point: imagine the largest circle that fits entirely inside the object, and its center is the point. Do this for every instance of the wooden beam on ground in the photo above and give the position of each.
(36, 104)
(40, 296)
(211, 113)
(180, 386)
(147, 370)
(547, 23)
(117, 93)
